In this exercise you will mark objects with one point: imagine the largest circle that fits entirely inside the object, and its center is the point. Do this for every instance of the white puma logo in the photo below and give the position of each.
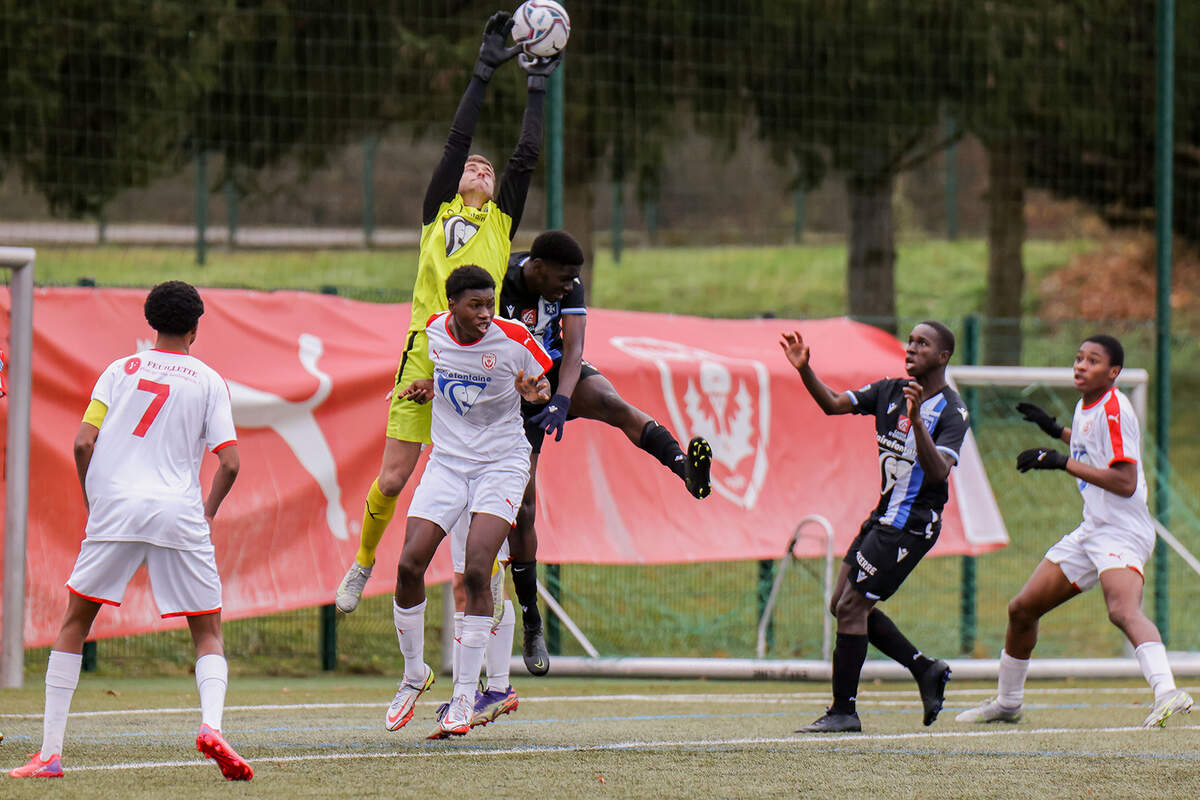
(296, 425)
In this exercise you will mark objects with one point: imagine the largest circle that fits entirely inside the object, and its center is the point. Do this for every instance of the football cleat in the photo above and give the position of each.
(991, 711)
(212, 745)
(350, 590)
(534, 652)
(455, 720)
(405, 701)
(489, 705)
(696, 467)
(1172, 703)
(834, 722)
(932, 685)
(497, 587)
(39, 767)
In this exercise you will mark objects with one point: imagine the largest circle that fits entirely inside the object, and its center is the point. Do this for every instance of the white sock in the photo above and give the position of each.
(456, 652)
(212, 676)
(410, 630)
(497, 656)
(1012, 680)
(62, 676)
(1152, 656)
(476, 631)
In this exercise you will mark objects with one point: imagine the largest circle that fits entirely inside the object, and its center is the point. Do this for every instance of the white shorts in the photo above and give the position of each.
(1083, 555)
(458, 545)
(184, 582)
(449, 488)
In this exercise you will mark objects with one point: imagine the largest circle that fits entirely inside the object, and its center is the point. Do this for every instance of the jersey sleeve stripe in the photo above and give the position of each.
(573, 311)
(949, 452)
(223, 445)
(1112, 411)
(520, 334)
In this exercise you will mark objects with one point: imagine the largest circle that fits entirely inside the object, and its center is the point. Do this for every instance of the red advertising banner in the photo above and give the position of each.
(308, 375)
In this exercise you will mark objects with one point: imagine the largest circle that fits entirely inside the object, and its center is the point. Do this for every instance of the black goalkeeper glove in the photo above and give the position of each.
(539, 69)
(553, 417)
(1041, 458)
(1038, 416)
(493, 52)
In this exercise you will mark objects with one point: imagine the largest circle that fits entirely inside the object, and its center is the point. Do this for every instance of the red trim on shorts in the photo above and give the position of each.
(1112, 411)
(520, 334)
(190, 613)
(93, 599)
(223, 445)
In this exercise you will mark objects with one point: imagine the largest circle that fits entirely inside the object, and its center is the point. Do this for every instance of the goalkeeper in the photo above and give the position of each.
(466, 219)
(1110, 546)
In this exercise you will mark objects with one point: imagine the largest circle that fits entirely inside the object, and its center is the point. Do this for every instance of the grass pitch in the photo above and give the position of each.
(573, 738)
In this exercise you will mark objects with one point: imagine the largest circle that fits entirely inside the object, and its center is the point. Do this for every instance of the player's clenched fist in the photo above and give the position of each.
(795, 349)
(914, 394)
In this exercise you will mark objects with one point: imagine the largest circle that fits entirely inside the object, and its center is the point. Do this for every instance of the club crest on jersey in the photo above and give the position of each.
(460, 390)
(133, 365)
(903, 424)
(726, 400)
(529, 317)
(489, 360)
(458, 231)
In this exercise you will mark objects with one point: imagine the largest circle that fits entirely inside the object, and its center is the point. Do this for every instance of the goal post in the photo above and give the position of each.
(20, 396)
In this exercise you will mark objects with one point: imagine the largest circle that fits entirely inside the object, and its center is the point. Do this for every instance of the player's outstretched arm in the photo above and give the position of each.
(1040, 417)
(1119, 478)
(798, 355)
(514, 184)
(85, 445)
(222, 482)
(492, 53)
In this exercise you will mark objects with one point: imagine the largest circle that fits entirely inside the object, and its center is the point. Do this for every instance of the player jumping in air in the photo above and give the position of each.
(465, 220)
(138, 454)
(1110, 546)
(919, 426)
(542, 289)
(482, 368)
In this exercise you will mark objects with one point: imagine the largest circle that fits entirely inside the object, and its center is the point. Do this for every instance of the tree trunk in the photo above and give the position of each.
(1006, 270)
(871, 268)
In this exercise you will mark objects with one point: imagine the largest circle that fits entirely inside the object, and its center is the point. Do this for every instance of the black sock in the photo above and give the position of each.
(658, 442)
(848, 656)
(524, 578)
(888, 640)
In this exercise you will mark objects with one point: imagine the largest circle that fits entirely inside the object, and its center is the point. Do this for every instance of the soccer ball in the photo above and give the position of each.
(541, 27)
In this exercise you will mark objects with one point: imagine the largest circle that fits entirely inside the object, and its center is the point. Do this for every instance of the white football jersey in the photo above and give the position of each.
(1103, 434)
(476, 407)
(143, 482)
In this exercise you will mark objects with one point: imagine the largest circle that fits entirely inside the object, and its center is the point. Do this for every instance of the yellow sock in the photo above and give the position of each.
(376, 516)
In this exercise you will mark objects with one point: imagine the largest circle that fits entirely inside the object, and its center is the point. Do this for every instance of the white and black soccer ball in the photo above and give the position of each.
(541, 27)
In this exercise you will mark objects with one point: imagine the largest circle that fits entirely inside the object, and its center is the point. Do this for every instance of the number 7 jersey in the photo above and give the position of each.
(143, 482)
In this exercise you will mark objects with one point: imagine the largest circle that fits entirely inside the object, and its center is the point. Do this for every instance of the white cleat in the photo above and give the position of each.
(991, 711)
(1173, 702)
(401, 709)
(456, 721)
(350, 590)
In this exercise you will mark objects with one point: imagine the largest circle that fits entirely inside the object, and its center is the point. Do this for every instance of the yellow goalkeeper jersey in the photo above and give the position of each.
(458, 235)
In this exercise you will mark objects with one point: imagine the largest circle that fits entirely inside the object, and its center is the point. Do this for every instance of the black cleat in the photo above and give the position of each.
(696, 467)
(834, 722)
(932, 685)
(537, 657)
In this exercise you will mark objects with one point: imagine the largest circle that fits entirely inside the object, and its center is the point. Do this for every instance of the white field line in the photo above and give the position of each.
(735, 698)
(798, 741)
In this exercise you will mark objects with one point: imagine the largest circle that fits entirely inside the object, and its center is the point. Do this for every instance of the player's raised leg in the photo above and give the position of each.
(421, 540)
(596, 398)
(399, 461)
(930, 674)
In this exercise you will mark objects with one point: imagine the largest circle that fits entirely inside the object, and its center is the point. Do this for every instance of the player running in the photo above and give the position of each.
(919, 426)
(542, 289)
(1110, 546)
(138, 453)
(482, 367)
(465, 220)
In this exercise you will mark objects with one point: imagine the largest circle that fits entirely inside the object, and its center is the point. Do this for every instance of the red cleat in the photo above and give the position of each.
(39, 768)
(212, 745)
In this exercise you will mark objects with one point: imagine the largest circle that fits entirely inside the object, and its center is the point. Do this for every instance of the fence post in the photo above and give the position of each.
(329, 637)
(968, 589)
(618, 220)
(554, 220)
(798, 201)
(370, 143)
(201, 206)
(553, 626)
(766, 579)
(89, 657)
(951, 182)
(231, 212)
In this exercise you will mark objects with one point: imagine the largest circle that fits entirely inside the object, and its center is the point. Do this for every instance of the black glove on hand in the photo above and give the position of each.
(553, 417)
(493, 52)
(1038, 416)
(539, 69)
(1041, 458)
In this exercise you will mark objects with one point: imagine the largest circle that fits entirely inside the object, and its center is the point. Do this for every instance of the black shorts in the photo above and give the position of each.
(533, 433)
(881, 557)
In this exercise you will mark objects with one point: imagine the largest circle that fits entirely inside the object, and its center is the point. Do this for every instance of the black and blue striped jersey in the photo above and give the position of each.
(542, 317)
(907, 499)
